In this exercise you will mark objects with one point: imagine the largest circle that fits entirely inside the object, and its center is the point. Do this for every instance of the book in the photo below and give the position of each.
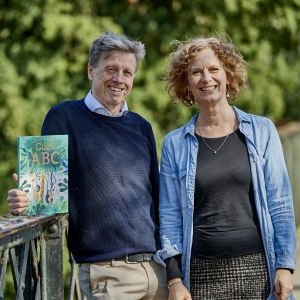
(43, 173)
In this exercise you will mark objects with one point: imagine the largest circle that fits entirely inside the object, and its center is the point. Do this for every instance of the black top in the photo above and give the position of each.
(113, 182)
(225, 220)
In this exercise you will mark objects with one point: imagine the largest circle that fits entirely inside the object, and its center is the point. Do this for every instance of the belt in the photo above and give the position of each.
(135, 258)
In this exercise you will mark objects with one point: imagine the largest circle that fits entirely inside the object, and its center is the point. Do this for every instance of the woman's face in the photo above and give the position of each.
(207, 78)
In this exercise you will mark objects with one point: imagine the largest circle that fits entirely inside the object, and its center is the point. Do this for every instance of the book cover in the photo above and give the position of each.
(43, 173)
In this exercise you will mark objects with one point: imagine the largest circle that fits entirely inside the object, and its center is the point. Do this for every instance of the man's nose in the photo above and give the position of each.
(119, 77)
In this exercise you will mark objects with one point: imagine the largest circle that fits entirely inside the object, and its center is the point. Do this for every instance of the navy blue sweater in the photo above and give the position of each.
(113, 182)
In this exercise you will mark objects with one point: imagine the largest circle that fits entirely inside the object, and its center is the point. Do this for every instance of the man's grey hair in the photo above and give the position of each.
(103, 46)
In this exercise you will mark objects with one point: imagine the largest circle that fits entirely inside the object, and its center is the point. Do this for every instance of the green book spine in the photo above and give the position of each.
(43, 173)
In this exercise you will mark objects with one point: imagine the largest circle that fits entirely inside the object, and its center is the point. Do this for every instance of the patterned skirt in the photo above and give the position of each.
(238, 278)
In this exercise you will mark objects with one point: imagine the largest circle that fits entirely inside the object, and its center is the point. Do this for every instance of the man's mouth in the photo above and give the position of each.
(115, 89)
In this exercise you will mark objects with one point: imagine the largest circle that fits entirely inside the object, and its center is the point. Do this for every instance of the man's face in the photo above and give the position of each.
(112, 79)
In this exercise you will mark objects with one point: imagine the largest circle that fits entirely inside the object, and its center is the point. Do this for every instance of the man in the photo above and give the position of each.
(113, 179)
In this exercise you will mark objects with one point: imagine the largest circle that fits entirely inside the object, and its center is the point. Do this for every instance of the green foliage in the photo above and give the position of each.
(265, 31)
(9, 288)
(44, 52)
(43, 59)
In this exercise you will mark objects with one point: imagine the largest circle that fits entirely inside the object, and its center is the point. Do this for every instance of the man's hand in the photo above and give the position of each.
(283, 284)
(17, 200)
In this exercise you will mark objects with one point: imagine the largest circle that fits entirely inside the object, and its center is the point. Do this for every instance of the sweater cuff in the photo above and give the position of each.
(173, 267)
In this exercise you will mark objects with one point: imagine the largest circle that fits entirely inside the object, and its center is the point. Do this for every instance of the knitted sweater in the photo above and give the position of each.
(113, 182)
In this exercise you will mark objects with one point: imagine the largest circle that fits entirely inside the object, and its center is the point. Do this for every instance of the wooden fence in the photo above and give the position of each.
(290, 139)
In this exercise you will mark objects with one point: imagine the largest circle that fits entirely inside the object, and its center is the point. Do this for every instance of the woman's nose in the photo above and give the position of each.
(206, 77)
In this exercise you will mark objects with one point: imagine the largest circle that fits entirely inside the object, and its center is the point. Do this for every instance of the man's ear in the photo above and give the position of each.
(90, 72)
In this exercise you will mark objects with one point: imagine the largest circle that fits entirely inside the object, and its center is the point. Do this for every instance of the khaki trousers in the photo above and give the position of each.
(117, 280)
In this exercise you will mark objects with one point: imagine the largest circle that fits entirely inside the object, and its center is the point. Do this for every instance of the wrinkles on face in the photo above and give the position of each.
(207, 78)
(112, 79)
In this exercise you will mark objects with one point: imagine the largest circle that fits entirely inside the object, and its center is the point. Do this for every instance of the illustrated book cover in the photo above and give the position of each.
(43, 173)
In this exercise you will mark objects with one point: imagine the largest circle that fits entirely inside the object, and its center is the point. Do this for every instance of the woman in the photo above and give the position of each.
(226, 209)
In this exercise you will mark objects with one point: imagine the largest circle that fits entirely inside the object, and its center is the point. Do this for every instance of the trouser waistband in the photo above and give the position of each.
(135, 258)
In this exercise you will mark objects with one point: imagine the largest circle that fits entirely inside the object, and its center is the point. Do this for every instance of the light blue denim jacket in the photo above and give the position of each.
(272, 193)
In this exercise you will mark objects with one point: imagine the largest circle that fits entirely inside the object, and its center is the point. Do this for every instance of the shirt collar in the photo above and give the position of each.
(242, 117)
(95, 106)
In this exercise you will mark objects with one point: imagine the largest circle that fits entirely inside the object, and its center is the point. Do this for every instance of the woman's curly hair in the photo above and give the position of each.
(180, 60)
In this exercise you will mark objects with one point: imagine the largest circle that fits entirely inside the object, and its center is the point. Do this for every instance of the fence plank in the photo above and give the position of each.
(290, 139)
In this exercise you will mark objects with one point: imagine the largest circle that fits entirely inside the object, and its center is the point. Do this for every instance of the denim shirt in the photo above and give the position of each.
(272, 193)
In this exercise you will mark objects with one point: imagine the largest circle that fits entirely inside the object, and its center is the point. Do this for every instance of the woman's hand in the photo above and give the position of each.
(283, 284)
(17, 200)
(178, 291)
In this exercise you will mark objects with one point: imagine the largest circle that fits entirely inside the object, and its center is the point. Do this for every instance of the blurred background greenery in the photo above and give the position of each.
(44, 48)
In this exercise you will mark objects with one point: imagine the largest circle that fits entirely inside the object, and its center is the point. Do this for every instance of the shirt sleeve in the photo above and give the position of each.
(280, 201)
(173, 267)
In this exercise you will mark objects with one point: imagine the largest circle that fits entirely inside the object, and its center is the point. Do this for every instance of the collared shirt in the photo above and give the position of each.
(95, 106)
(271, 186)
